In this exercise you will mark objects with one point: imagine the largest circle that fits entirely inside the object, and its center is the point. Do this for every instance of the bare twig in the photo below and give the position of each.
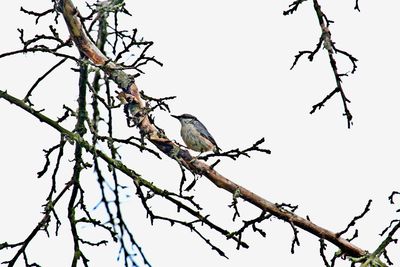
(356, 7)
(354, 220)
(41, 78)
(38, 15)
(293, 7)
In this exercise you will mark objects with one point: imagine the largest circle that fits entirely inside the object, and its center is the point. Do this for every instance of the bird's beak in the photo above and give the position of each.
(175, 116)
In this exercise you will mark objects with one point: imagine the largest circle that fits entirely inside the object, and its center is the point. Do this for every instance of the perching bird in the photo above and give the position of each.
(195, 134)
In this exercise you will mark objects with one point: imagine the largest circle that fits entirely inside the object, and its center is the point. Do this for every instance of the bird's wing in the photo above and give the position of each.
(204, 132)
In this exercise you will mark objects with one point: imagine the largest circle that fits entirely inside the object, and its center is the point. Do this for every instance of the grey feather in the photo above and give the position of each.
(204, 132)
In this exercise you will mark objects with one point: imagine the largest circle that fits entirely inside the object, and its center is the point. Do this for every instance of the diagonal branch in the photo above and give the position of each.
(138, 180)
(136, 105)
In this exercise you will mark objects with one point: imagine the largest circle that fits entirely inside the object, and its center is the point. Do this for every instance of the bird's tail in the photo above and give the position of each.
(217, 149)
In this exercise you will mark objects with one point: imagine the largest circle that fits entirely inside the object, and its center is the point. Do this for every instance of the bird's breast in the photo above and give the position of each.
(194, 140)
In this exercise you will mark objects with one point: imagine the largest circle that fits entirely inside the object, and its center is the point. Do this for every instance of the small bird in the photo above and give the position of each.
(195, 134)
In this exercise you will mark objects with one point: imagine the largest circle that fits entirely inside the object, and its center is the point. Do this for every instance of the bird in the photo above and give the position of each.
(195, 134)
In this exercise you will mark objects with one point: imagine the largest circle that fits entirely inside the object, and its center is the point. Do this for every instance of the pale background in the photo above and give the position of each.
(228, 62)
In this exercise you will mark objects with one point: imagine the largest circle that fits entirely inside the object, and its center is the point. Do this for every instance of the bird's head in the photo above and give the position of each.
(184, 118)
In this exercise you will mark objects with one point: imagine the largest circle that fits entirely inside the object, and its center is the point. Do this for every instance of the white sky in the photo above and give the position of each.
(228, 62)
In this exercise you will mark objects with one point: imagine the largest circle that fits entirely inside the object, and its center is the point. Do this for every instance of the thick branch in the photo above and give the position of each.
(132, 96)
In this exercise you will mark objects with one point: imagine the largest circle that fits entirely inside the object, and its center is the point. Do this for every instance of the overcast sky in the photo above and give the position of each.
(228, 64)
